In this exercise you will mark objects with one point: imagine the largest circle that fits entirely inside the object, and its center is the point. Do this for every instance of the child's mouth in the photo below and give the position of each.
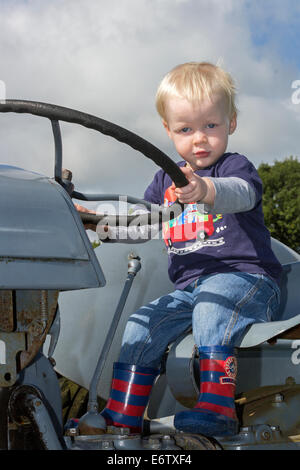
(202, 154)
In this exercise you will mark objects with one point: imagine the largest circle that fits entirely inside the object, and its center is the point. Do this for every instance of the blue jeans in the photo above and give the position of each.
(217, 307)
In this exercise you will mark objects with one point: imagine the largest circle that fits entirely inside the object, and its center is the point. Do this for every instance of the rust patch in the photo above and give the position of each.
(86, 430)
(26, 317)
(6, 311)
(36, 319)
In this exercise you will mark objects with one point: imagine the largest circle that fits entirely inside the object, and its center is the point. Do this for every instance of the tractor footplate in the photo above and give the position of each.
(116, 439)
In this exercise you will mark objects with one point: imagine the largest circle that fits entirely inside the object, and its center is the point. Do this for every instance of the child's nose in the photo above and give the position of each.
(199, 137)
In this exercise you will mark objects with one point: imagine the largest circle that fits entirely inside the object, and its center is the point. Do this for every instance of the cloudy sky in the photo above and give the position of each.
(107, 58)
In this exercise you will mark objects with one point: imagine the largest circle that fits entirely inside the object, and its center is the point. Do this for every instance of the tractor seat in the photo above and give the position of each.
(287, 323)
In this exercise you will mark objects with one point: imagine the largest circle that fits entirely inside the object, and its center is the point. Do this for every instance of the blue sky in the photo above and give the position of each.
(269, 29)
(107, 58)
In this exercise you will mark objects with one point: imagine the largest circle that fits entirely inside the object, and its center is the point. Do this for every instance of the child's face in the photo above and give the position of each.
(199, 131)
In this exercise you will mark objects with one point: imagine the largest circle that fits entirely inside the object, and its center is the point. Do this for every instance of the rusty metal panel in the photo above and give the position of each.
(28, 316)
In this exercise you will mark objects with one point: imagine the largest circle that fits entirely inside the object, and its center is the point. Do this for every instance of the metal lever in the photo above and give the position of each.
(92, 421)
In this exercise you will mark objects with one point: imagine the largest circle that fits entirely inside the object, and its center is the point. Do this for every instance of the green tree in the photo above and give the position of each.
(281, 200)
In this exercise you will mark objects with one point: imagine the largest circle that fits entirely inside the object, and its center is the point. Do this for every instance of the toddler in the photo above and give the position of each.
(224, 272)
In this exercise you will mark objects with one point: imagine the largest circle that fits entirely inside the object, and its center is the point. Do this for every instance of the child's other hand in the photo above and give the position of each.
(84, 209)
(195, 191)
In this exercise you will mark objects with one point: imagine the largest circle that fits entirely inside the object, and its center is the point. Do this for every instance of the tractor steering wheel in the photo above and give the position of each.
(58, 113)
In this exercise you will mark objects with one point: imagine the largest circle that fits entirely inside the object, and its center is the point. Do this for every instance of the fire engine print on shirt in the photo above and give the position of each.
(191, 227)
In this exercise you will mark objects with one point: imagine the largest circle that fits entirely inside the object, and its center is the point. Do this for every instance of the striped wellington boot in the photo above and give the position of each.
(214, 414)
(129, 396)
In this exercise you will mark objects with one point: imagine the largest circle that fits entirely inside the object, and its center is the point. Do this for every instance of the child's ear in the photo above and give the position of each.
(233, 124)
(165, 124)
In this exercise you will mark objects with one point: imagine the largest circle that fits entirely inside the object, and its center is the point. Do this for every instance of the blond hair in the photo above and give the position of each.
(194, 81)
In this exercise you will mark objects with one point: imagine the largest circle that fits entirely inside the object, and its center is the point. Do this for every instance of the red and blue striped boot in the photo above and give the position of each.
(129, 396)
(214, 414)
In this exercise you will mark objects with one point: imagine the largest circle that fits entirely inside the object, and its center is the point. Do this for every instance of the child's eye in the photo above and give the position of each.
(211, 126)
(185, 130)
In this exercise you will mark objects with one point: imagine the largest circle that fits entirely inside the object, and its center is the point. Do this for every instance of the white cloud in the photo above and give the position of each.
(271, 129)
(107, 58)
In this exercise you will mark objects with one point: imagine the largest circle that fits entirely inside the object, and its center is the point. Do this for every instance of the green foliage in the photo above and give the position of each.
(95, 244)
(281, 200)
